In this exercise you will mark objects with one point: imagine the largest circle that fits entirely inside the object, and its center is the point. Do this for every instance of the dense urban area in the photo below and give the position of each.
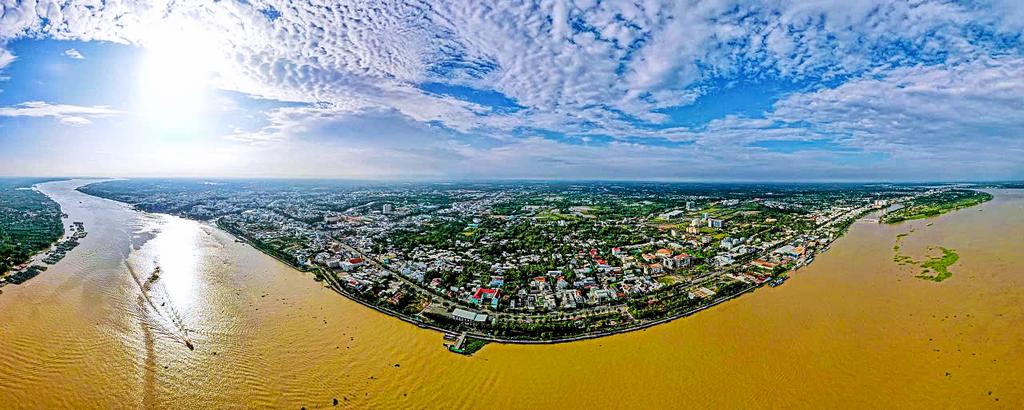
(537, 261)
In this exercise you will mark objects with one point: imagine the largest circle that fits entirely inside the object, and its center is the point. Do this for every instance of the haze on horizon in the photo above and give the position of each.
(691, 90)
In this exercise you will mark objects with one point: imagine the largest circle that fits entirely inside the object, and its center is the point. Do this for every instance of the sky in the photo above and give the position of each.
(713, 90)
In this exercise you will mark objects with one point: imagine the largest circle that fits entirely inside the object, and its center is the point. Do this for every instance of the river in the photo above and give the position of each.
(852, 330)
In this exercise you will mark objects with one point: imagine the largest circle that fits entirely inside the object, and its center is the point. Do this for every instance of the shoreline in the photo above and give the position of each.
(36, 258)
(334, 285)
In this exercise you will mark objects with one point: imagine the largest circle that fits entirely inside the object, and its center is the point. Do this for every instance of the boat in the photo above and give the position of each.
(777, 281)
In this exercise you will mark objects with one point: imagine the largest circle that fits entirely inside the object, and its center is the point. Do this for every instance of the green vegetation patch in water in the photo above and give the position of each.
(935, 269)
(939, 265)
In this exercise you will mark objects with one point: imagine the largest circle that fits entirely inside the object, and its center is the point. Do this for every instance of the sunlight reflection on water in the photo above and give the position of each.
(177, 253)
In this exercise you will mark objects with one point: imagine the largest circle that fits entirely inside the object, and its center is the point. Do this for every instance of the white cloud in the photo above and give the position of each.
(67, 114)
(6, 58)
(73, 54)
(919, 80)
(583, 68)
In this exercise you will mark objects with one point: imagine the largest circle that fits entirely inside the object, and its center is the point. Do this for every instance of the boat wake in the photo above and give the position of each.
(170, 322)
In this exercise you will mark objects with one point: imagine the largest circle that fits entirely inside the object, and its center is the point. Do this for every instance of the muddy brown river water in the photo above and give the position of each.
(853, 330)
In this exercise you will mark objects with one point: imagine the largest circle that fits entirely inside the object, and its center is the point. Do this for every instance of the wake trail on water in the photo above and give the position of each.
(177, 330)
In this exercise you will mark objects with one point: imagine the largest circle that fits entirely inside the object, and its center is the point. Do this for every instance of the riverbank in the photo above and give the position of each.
(938, 204)
(334, 284)
(30, 224)
(430, 322)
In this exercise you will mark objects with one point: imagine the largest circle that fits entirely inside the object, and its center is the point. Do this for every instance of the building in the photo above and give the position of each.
(729, 243)
(469, 317)
(388, 208)
(672, 214)
(715, 223)
(351, 264)
(683, 260)
(485, 297)
(763, 264)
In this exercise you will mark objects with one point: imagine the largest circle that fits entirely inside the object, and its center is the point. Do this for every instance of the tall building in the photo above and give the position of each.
(388, 208)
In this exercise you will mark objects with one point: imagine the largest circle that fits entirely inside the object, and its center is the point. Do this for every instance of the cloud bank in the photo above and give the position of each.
(66, 114)
(872, 89)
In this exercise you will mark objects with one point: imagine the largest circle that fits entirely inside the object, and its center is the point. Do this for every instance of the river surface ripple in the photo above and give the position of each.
(853, 330)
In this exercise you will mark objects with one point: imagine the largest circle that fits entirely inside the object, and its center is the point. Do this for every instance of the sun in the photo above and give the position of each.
(174, 76)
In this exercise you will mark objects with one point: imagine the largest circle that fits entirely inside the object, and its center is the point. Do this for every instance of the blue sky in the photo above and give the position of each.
(691, 90)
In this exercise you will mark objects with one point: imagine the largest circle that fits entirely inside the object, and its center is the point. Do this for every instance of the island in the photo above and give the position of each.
(938, 204)
(531, 262)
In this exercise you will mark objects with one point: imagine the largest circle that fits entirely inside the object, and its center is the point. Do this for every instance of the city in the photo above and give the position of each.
(533, 262)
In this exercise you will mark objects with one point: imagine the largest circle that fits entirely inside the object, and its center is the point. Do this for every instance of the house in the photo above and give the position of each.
(763, 264)
(352, 264)
(601, 295)
(701, 292)
(728, 243)
(496, 282)
(683, 260)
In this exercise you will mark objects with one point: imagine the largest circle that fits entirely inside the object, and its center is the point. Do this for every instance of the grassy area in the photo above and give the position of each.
(668, 280)
(936, 269)
(471, 346)
(934, 205)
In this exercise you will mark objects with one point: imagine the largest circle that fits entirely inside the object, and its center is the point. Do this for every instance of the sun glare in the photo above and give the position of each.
(174, 77)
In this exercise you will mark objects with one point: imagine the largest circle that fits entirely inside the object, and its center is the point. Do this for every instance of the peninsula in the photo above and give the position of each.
(30, 222)
(534, 262)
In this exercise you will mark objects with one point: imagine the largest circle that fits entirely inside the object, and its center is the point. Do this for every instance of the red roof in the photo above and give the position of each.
(355, 260)
(480, 292)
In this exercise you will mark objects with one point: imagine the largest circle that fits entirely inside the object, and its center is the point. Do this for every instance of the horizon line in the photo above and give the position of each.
(522, 179)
